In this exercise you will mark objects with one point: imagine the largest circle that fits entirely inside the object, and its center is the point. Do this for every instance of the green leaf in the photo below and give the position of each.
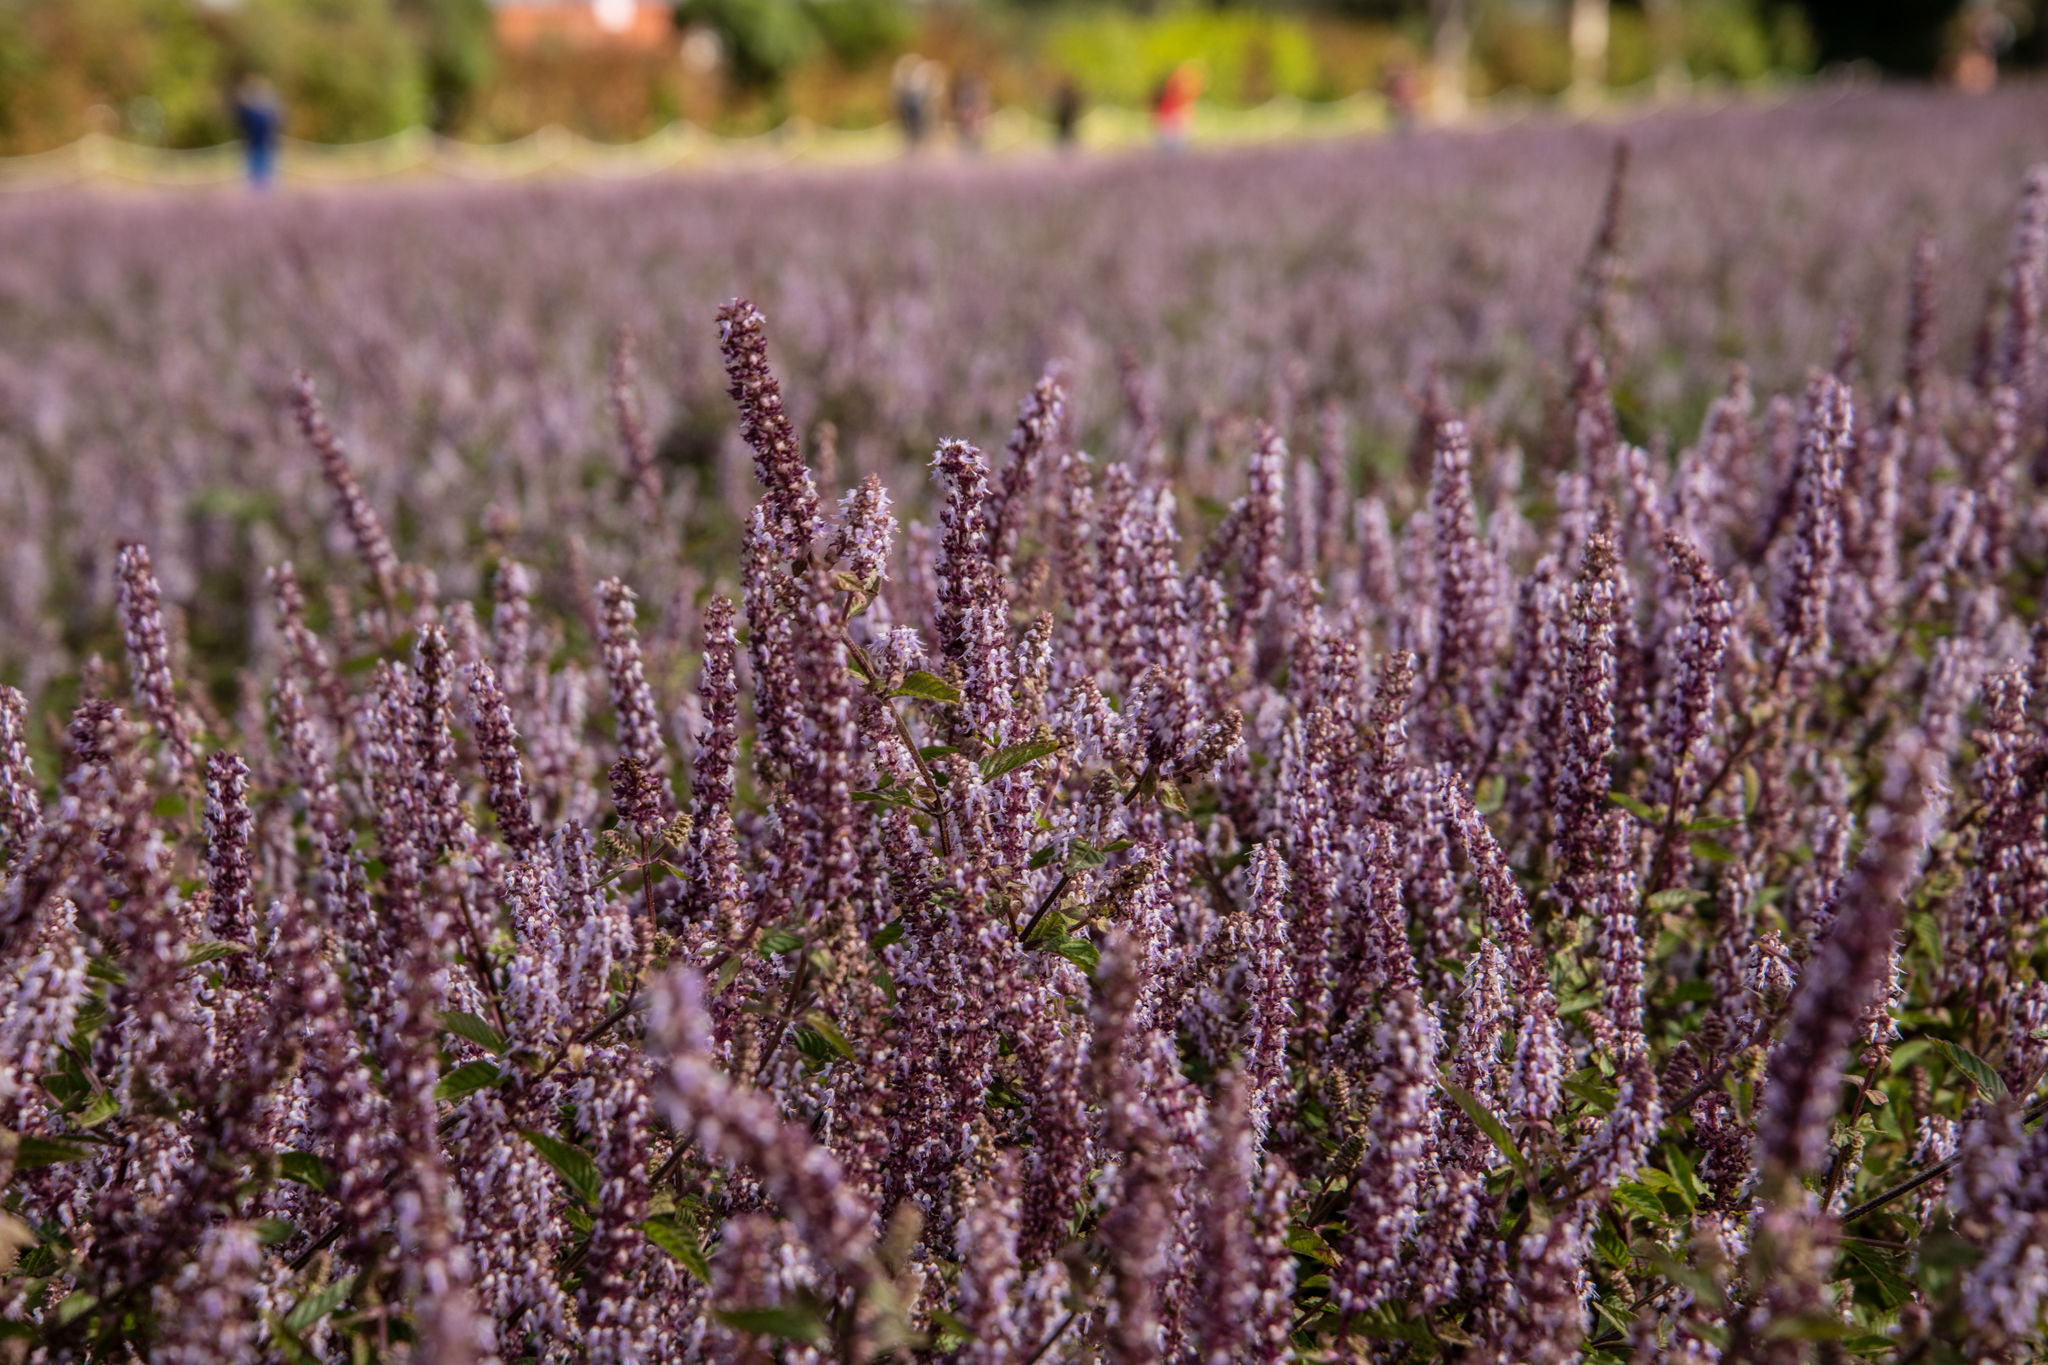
(889, 933)
(926, 687)
(1308, 1242)
(1014, 756)
(1809, 1327)
(1044, 856)
(1611, 1245)
(1615, 1315)
(677, 1235)
(1642, 1201)
(466, 1080)
(103, 969)
(212, 950)
(1395, 1329)
(1600, 1097)
(932, 751)
(1082, 855)
(314, 1307)
(1677, 897)
(821, 1024)
(1579, 1003)
(1708, 826)
(34, 1153)
(1887, 1285)
(1080, 952)
(1683, 1179)
(478, 1031)
(1671, 1268)
(103, 1107)
(891, 797)
(729, 971)
(793, 1322)
(303, 1168)
(1170, 797)
(271, 1231)
(572, 1163)
(1648, 814)
(75, 1305)
(1713, 850)
(1491, 794)
(1988, 1082)
(776, 942)
(1489, 1125)
(1050, 931)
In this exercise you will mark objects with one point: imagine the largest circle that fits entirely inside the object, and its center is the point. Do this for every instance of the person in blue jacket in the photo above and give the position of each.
(260, 116)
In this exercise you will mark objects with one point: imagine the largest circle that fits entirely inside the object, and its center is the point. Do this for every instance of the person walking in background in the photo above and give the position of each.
(1404, 96)
(915, 86)
(1066, 113)
(260, 116)
(970, 110)
(1173, 109)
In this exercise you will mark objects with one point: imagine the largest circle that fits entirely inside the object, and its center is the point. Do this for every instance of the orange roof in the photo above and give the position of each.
(637, 24)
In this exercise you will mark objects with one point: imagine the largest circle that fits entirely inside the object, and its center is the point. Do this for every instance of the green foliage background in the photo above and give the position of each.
(160, 71)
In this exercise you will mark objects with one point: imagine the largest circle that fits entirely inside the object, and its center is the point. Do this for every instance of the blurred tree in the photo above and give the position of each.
(348, 69)
(861, 32)
(457, 49)
(1906, 36)
(155, 68)
(764, 40)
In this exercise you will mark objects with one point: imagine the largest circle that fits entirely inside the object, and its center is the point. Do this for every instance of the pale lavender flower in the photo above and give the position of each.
(2000, 1198)
(1138, 1230)
(512, 643)
(1269, 988)
(1375, 536)
(1540, 1062)
(1464, 582)
(497, 740)
(1844, 978)
(632, 699)
(1700, 647)
(2026, 284)
(1806, 578)
(712, 881)
(1618, 1024)
(229, 915)
(1040, 421)
(208, 1311)
(21, 803)
(40, 1003)
(2008, 888)
(1386, 1189)
(739, 1127)
(149, 658)
(641, 471)
(1585, 705)
(1241, 1308)
(790, 508)
(372, 545)
(990, 1271)
(1921, 357)
(866, 534)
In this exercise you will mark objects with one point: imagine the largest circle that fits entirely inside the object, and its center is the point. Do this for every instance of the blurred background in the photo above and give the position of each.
(165, 73)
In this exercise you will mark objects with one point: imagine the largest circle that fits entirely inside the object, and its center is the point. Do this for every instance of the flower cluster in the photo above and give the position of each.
(1051, 940)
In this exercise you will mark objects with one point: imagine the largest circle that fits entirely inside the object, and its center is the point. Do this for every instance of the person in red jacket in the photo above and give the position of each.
(1173, 109)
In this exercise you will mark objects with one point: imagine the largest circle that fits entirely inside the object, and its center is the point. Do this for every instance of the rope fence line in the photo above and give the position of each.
(417, 152)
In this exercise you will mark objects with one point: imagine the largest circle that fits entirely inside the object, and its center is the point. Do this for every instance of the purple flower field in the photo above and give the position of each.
(1425, 750)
